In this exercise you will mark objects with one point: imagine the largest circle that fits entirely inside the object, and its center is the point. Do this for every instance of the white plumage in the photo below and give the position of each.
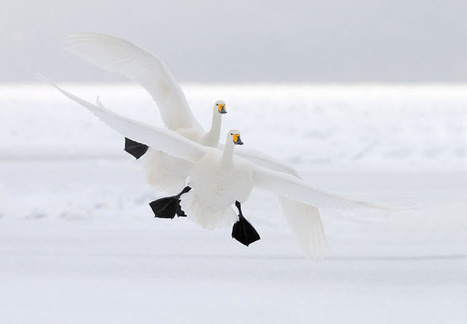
(118, 55)
(146, 69)
(164, 172)
(217, 183)
(219, 178)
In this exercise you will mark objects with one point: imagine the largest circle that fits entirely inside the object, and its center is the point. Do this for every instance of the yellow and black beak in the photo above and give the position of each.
(221, 109)
(237, 140)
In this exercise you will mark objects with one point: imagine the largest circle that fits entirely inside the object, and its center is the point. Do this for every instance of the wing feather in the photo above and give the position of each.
(305, 222)
(166, 141)
(136, 63)
(266, 161)
(294, 188)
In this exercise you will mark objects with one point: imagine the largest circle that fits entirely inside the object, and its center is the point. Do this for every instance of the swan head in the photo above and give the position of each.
(220, 106)
(234, 136)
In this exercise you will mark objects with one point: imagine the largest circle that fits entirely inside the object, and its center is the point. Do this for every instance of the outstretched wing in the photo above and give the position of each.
(288, 186)
(149, 71)
(163, 140)
(266, 161)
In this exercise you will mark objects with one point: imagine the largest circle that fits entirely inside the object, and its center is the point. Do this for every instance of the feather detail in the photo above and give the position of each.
(305, 222)
(205, 216)
(118, 55)
(164, 172)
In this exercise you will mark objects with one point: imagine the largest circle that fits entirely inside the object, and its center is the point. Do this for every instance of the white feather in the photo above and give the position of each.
(149, 71)
(305, 222)
(288, 186)
(165, 172)
(265, 161)
(118, 55)
(205, 215)
(160, 139)
(219, 179)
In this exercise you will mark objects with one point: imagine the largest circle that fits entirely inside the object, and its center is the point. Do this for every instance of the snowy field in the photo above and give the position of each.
(79, 244)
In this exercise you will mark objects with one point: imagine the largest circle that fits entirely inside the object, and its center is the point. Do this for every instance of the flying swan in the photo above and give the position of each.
(149, 71)
(165, 172)
(220, 179)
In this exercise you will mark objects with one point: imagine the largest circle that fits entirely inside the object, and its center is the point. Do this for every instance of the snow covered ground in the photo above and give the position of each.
(79, 244)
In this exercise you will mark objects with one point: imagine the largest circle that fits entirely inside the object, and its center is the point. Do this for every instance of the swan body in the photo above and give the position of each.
(168, 173)
(219, 178)
(218, 183)
(118, 55)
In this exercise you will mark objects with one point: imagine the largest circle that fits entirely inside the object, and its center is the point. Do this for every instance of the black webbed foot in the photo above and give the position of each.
(168, 207)
(242, 230)
(180, 212)
(165, 207)
(134, 148)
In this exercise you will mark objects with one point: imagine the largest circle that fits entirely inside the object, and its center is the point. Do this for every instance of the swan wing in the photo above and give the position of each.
(305, 222)
(288, 186)
(149, 71)
(164, 140)
(266, 161)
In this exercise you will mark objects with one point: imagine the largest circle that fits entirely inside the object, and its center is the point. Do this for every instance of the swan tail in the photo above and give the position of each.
(207, 218)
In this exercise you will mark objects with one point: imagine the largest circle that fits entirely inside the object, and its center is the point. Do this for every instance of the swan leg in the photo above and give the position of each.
(134, 148)
(180, 212)
(168, 207)
(242, 230)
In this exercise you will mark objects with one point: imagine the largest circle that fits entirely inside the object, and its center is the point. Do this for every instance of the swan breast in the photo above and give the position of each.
(217, 186)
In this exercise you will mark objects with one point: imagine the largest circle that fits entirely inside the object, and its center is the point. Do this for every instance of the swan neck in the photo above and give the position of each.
(227, 156)
(212, 137)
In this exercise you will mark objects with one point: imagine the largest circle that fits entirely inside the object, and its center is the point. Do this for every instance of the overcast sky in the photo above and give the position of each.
(246, 40)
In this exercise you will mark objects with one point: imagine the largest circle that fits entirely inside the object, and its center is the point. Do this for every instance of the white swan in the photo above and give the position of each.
(149, 71)
(220, 179)
(163, 172)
